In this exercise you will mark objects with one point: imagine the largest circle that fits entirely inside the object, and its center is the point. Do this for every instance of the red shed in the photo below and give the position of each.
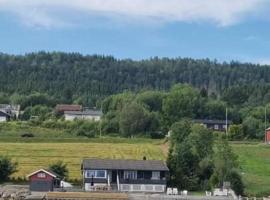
(267, 135)
(44, 180)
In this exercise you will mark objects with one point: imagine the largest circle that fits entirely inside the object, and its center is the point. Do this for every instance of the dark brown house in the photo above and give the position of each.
(125, 175)
(43, 181)
(216, 125)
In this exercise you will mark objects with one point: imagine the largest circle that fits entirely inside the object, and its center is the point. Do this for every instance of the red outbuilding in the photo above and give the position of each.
(267, 135)
(44, 180)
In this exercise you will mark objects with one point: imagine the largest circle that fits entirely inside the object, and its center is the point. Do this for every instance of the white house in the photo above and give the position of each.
(94, 115)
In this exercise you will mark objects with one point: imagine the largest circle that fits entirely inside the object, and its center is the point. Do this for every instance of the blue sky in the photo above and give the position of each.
(138, 29)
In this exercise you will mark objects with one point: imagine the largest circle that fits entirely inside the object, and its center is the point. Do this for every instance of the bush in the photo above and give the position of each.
(157, 135)
(86, 128)
(236, 182)
(7, 168)
(236, 132)
(59, 168)
(27, 135)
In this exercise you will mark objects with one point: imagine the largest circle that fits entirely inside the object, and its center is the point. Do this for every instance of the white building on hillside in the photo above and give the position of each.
(94, 115)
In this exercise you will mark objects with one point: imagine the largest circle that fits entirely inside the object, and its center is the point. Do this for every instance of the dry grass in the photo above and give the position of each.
(32, 156)
(85, 195)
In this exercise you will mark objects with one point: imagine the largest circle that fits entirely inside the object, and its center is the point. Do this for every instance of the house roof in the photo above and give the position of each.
(3, 112)
(66, 107)
(87, 112)
(148, 165)
(47, 171)
(211, 121)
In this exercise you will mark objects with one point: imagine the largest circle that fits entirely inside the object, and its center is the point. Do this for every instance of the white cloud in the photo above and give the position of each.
(49, 13)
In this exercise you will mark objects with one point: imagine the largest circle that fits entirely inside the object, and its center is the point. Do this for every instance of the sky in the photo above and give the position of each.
(139, 29)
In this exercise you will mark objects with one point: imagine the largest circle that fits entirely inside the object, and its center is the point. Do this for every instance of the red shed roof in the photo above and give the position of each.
(52, 174)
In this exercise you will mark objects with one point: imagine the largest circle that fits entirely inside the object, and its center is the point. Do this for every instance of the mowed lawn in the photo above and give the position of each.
(32, 156)
(255, 165)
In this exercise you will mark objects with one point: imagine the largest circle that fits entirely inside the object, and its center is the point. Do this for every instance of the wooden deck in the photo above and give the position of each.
(86, 196)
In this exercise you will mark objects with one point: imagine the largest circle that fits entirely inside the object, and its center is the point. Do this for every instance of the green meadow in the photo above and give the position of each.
(49, 145)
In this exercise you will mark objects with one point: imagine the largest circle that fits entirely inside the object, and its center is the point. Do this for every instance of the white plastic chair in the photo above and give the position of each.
(208, 193)
(184, 192)
(169, 191)
(175, 191)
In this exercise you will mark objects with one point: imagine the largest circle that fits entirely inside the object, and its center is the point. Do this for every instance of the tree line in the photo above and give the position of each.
(150, 113)
(74, 78)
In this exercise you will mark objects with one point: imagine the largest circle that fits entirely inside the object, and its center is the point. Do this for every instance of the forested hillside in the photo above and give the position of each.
(71, 77)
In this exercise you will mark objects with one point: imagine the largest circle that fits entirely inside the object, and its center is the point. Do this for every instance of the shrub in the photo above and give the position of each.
(7, 168)
(236, 182)
(27, 135)
(59, 168)
(156, 135)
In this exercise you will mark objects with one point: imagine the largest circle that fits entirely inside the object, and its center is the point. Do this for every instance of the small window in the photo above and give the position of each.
(224, 127)
(41, 175)
(90, 174)
(216, 127)
(100, 174)
(130, 175)
(156, 175)
(95, 174)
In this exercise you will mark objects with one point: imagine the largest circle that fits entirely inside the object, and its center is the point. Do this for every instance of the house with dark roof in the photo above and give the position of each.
(44, 180)
(94, 115)
(216, 125)
(4, 116)
(124, 175)
(13, 110)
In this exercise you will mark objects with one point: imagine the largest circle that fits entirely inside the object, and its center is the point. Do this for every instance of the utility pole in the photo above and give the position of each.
(265, 119)
(226, 121)
(100, 123)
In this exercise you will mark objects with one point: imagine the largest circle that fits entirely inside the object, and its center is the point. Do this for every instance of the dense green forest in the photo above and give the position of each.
(145, 91)
(72, 77)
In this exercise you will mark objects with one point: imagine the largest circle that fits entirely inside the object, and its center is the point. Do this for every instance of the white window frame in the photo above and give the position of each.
(41, 175)
(105, 173)
(155, 175)
(131, 175)
(216, 126)
(94, 174)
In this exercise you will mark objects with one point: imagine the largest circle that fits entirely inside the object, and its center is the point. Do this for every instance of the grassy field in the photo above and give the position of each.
(255, 164)
(50, 145)
(32, 156)
(254, 158)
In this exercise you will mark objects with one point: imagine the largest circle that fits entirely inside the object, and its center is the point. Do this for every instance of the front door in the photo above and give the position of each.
(114, 176)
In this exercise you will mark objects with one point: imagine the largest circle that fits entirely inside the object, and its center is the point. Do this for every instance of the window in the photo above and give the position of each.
(156, 175)
(224, 127)
(100, 174)
(90, 174)
(41, 175)
(216, 127)
(95, 174)
(130, 174)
